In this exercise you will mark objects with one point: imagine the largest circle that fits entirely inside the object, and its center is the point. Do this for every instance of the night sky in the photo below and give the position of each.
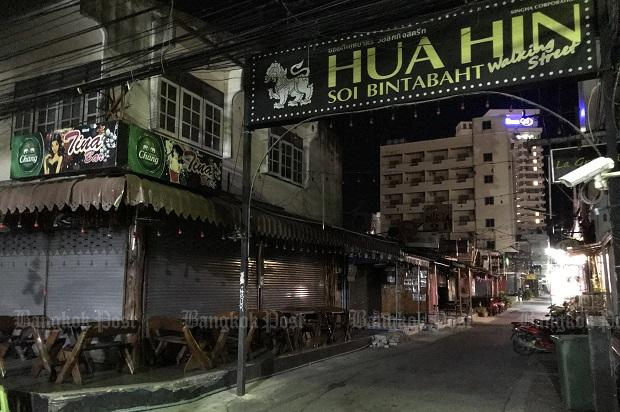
(363, 139)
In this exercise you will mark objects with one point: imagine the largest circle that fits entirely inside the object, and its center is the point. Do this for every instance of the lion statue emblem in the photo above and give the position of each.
(294, 91)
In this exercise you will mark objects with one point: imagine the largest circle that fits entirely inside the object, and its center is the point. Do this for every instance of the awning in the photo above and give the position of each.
(290, 228)
(106, 193)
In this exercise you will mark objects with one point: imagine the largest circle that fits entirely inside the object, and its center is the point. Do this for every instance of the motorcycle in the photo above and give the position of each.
(532, 337)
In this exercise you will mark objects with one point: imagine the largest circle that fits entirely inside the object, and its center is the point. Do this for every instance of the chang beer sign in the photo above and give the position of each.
(172, 160)
(146, 152)
(26, 156)
(482, 46)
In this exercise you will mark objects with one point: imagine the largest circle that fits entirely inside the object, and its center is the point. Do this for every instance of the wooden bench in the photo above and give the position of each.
(121, 338)
(166, 330)
(16, 333)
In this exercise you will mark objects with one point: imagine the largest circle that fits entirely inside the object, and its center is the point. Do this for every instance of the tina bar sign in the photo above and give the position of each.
(482, 46)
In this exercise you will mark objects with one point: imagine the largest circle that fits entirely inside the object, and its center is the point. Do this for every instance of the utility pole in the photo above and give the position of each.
(604, 385)
(246, 136)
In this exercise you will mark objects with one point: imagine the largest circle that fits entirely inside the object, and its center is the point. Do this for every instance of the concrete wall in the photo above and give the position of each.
(32, 32)
(318, 197)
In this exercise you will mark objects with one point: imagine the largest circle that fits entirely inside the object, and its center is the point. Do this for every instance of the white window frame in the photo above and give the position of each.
(182, 121)
(206, 138)
(20, 127)
(277, 157)
(209, 135)
(174, 116)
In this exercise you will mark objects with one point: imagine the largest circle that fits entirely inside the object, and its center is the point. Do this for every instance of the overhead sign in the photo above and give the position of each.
(567, 159)
(482, 46)
(63, 151)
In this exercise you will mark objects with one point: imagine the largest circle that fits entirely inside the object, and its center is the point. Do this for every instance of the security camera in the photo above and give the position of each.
(587, 172)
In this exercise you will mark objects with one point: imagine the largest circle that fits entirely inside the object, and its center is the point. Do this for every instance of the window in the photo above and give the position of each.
(286, 157)
(491, 244)
(190, 116)
(488, 179)
(486, 125)
(489, 223)
(213, 126)
(22, 123)
(489, 200)
(70, 111)
(487, 157)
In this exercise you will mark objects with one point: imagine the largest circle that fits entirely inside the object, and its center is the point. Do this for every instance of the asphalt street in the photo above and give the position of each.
(460, 369)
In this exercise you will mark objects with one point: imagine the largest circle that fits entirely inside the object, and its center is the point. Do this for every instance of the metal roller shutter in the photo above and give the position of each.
(86, 274)
(22, 273)
(292, 280)
(194, 274)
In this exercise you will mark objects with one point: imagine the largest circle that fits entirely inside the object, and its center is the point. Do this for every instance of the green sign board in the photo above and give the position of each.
(172, 161)
(480, 46)
(114, 145)
(65, 151)
(26, 156)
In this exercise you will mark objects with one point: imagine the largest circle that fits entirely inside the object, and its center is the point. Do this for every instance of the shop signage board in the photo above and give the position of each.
(114, 145)
(567, 159)
(483, 46)
(63, 151)
(172, 161)
(437, 218)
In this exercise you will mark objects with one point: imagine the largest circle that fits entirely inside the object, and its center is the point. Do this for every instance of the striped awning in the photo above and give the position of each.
(107, 193)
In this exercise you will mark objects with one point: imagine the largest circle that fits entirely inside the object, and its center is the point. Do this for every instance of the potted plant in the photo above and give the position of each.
(482, 311)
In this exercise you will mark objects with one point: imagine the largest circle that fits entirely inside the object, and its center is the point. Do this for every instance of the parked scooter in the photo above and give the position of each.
(532, 337)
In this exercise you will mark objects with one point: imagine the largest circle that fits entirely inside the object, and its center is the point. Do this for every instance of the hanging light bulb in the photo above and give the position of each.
(36, 221)
(202, 234)
(19, 222)
(393, 116)
(331, 124)
(371, 121)
(351, 122)
(158, 233)
(463, 106)
(109, 232)
(487, 104)
(510, 107)
(415, 112)
(438, 110)
(179, 232)
(83, 231)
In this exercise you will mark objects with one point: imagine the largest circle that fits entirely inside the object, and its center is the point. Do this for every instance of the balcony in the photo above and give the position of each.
(439, 200)
(438, 180)
(394, 164)
(468, 204)
(438, 159)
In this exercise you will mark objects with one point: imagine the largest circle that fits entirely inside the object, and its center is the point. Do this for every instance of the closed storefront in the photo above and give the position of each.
(86, 273)
(187, 272)
(23, 261)
(82, 271)
(293, 280)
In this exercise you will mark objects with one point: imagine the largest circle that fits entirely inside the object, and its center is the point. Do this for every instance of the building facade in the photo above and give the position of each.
(485, 185)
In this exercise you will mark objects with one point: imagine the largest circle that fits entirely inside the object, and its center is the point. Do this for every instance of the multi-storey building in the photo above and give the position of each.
(485, 184)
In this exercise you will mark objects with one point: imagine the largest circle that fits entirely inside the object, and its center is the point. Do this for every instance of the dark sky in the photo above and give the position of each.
(362, 141)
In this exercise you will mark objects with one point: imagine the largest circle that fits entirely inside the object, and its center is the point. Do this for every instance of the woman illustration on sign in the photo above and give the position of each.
(174, 163)
(52, 162)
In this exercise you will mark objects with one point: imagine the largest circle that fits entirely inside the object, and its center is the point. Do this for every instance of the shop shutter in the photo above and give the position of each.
(86, 274)
(188, 273)
(22, 273)
(292, 280)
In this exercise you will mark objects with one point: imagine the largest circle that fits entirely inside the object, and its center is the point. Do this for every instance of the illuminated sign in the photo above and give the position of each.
(519, 121)
(485, 46)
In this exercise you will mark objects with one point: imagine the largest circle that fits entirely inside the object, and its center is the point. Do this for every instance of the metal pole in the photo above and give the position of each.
(396, 289)
(458, 290)
(604, 385)
(245, 242)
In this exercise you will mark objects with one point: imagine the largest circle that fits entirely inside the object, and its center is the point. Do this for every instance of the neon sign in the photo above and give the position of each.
(521, 121)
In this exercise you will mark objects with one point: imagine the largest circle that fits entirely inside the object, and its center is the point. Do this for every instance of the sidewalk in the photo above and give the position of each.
(524, 311)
